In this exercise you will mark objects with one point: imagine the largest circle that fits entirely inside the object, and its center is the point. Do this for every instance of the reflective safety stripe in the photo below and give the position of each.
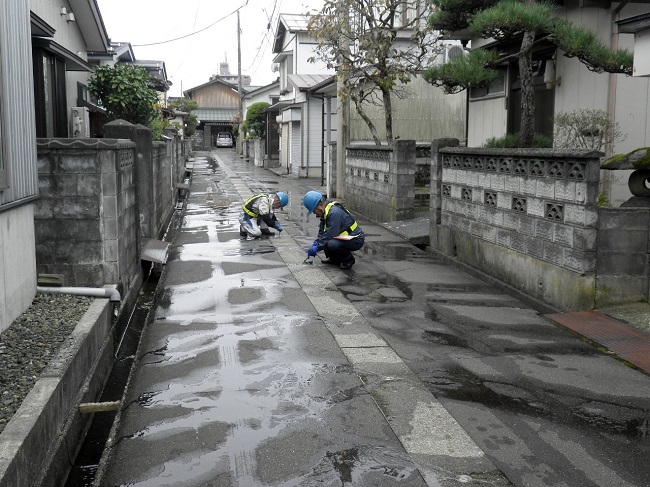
(351, 228)
(250, 201)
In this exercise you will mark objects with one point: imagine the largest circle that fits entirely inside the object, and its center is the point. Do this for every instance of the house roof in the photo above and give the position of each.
(261, 89)
(215, 81)
(281, 105)
(72, 61)
(326, 86)
(224, 115)
(123, 51)
(289, 23)
(91, 24)
(157, 72)
(304, 82)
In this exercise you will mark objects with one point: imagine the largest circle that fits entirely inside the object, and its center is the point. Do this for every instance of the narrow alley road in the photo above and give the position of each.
(259, 370)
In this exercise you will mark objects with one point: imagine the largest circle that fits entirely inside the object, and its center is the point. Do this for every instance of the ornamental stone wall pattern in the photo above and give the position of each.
(526, 216)
(534, 204)
(380, 180)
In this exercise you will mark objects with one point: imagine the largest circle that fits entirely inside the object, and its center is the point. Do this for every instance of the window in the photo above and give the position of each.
(408, 13)
(494, 89)
(49, 94)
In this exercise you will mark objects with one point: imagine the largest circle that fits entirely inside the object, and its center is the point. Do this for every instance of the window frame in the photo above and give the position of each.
(492, 90)
(51, 116)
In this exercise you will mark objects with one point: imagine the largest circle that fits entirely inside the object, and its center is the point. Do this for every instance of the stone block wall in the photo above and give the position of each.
(622, 261)
(380, 180)
(196, 141)
(258, 152)
(86, 220)
(99, 200)
(164, 176)
(526, 216)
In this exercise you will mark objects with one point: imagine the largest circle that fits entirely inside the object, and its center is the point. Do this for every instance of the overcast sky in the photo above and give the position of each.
(193, 36)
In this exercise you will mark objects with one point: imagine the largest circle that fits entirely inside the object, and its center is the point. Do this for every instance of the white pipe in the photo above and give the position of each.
(96, 292)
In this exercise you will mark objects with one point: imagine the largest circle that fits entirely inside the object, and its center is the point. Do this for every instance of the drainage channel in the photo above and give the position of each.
(84, 468)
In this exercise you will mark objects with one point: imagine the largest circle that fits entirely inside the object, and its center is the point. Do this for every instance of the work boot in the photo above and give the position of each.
(346, 264)
(267, 232)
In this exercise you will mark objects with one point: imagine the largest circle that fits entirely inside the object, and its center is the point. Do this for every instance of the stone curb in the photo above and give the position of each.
(44, 425)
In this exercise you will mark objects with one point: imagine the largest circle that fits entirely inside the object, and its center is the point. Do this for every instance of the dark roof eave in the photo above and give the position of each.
(72, 61)
(635, 24)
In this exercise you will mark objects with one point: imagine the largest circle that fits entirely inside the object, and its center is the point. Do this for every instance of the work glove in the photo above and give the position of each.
(313, 250)
(277, 226)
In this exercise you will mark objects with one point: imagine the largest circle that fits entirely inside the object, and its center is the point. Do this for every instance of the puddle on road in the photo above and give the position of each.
(526, 399)
(259, 390)
(396, 251)
(242, 383)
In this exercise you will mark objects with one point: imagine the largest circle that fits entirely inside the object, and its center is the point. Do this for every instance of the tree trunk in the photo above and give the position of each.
(388, 114)
(527, 132)
(373, 130)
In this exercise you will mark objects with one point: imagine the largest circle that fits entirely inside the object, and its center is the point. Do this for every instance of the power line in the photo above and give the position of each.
(193, 33)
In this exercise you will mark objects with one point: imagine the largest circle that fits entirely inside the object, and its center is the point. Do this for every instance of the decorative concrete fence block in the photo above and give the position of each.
(380, 180)
(541, 212)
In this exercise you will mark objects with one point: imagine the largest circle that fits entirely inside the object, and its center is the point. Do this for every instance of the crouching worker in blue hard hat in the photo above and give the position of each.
(259, 214)
(338, 233)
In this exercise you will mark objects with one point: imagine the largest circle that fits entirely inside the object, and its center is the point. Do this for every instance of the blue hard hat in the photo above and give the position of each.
(283, 197)
(311, 200)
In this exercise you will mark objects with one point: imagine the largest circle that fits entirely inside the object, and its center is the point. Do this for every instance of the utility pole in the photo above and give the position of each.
(343, 127)
(239, 88)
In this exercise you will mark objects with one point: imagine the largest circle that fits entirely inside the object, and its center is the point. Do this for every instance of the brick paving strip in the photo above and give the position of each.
(624, 341)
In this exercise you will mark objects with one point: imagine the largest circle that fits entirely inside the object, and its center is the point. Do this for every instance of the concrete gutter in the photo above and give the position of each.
(34, 444)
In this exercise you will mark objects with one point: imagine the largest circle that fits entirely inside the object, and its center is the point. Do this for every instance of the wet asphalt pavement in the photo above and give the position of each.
(259, 370)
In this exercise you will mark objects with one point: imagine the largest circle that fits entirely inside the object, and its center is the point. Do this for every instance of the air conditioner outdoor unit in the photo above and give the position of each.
(79, 122)
(454, 52)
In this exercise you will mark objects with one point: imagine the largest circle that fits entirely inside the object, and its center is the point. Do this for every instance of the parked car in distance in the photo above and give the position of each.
(224, 139)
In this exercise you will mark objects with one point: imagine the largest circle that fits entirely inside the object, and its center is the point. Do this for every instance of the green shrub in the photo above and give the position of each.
(255, 123)
(512, 141)
(125, 93)
(586, 129)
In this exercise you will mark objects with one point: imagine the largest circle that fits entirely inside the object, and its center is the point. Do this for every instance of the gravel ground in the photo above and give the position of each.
(31, 341)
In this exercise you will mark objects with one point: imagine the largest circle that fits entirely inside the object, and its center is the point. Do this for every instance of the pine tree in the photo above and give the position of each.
(525, 22)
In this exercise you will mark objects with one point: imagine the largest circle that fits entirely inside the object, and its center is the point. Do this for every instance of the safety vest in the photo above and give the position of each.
(250, 202)
(351, 228)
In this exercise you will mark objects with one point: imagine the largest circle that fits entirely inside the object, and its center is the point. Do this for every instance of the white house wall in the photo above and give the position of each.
(17, 262)
(486, 119)
(427, 113)
(69, 36)
(313, 137)
(295, 147)
(301, 60)
(633, 117)
(581, 88)
(627, 96)
(18, 146)
(285, 146)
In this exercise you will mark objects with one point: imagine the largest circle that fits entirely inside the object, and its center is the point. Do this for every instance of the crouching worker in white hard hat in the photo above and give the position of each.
(259, 214)
(338, 233)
